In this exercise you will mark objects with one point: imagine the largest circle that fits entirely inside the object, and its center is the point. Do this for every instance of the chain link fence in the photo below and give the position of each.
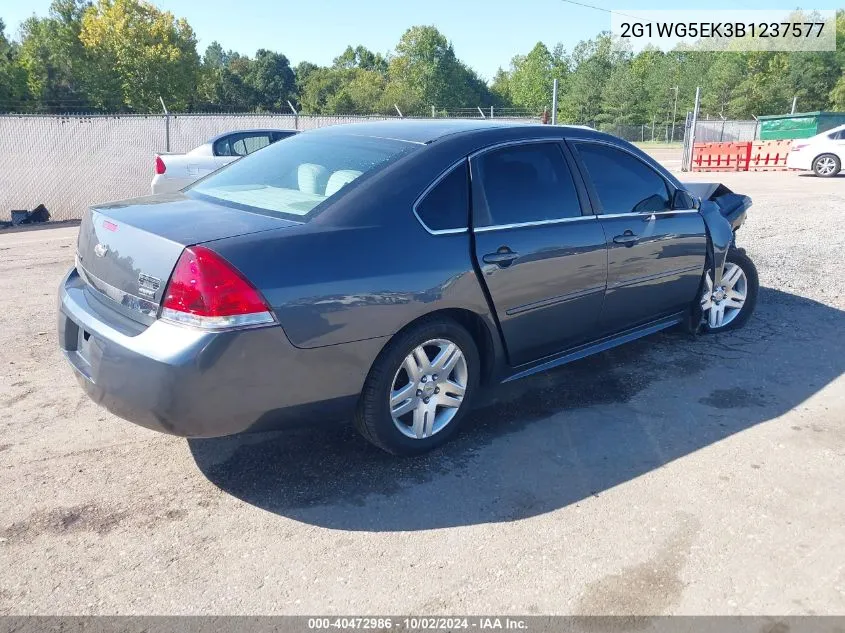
(70, 162)
(646, 133)
(725, 131)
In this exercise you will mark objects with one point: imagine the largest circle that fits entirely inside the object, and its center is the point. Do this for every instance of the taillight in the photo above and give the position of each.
(160, 166)
(207, 292)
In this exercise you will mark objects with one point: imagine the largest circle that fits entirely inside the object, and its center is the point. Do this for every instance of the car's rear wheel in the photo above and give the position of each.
(729, 305)
(419, 388)
(826, 165)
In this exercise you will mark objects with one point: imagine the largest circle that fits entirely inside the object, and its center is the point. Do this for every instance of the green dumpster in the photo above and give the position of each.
(799, 125)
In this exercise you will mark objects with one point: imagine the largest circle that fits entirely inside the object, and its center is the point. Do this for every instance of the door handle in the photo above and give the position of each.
(503, 257)
(627, 238)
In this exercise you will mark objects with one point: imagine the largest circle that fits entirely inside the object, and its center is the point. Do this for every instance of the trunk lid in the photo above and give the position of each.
(126, 250)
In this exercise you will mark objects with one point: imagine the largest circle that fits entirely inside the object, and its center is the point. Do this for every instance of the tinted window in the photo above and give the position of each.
(223, 147)
(623, 182)
(446, 206)
(249, 144)
(293, 177)
(837, 136)
(241, 144)
(525, 183)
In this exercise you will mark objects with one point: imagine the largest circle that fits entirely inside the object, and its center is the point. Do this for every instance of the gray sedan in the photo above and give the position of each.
(386, 272)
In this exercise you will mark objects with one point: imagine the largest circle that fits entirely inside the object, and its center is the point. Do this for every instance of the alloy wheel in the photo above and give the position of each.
(722, 304)
(825, 165)
(428, 388)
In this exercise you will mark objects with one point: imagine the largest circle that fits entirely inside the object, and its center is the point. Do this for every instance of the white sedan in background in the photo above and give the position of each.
(823, 153)
(176, 171)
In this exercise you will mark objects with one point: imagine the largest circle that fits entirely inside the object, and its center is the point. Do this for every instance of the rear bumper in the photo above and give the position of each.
(186, 382)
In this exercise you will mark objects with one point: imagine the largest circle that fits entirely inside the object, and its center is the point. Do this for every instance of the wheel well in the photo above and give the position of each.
(479, 331)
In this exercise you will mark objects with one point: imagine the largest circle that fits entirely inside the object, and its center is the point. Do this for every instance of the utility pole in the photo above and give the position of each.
(554, 102)
(674, 114)
(794, 104)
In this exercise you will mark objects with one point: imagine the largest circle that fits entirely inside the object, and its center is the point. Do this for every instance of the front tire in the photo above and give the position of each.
(826, 165)
(730, 305)
(419, 388)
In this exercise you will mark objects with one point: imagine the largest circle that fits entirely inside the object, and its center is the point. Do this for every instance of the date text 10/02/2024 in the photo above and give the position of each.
(418, 623)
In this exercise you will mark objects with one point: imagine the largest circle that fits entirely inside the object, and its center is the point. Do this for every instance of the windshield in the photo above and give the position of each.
(293, 176)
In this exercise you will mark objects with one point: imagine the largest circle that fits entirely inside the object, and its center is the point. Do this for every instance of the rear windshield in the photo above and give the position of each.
(292, 177)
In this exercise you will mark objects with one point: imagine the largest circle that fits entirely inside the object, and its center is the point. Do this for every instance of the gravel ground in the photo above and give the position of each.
(678, 474)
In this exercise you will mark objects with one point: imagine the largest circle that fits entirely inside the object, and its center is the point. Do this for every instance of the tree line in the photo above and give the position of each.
(124, 55)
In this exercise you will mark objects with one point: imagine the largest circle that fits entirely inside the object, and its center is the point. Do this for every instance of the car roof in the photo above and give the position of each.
(423, 131)
(249, 131)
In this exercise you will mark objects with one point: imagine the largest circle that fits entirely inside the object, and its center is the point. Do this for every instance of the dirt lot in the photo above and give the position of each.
(674, 475)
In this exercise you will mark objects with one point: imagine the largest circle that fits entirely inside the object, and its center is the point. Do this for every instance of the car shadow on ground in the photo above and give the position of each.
(551, 440)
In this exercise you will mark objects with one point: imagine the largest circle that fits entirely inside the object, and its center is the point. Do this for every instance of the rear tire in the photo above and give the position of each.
(729, 306)
(419, 388)
(826, 165)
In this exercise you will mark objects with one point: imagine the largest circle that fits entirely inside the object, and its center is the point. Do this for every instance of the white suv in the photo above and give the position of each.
(823, 153)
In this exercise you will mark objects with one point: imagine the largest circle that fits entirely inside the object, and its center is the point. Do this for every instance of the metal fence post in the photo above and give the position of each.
(686, 142)
(295, 115)
(166, 125)
(687, 165)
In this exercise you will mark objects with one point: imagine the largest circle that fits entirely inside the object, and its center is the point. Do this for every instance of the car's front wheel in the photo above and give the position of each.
(419, 388)
(826, 165)
(730, 304)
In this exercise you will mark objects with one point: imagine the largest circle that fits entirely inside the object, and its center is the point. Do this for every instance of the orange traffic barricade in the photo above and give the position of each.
(721, 156)
(768, 155)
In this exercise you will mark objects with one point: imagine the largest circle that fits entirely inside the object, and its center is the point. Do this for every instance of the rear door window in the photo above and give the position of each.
(223, 146)
(622, 182)
(249, 143)
(446, 205)
(242, 143)
(521, 184)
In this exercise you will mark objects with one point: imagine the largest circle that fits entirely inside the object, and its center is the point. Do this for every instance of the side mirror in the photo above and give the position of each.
(682, 200)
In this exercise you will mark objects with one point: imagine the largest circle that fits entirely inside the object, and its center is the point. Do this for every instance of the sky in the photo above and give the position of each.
(486, 34)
